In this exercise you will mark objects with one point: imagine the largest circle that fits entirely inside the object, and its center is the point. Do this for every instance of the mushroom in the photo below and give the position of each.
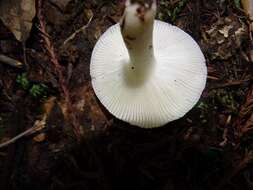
(147, 72)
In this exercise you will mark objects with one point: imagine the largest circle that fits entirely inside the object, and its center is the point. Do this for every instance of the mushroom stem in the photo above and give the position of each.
(137, 32)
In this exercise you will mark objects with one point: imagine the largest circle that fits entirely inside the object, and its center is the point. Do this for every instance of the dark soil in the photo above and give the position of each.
(205, 150)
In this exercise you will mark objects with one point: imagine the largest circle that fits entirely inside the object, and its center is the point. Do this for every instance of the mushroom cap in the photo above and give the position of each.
(173, 87)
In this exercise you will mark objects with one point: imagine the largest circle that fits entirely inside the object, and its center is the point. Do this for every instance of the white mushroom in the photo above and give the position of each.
(147, 72)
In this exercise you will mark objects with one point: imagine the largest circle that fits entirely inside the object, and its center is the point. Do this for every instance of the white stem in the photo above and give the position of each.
(137, 32)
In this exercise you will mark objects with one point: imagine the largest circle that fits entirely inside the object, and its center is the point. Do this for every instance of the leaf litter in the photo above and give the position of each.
(203, 149)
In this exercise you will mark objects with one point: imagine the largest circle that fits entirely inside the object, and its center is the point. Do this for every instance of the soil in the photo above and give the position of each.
(210, 148)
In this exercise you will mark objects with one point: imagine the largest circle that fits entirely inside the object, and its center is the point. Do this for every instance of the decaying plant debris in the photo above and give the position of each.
(76, 144)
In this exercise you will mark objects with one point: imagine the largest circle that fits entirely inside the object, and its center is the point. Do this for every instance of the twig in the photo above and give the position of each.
(244, 122)
(212, 77)
(58, 70)
(231, 83)
(14, 139)
(37, 126)
(73, 35)
(10, 61)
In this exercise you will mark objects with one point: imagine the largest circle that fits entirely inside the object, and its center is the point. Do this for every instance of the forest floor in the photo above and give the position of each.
(76, 144)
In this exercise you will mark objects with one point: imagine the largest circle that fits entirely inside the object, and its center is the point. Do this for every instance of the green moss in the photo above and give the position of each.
(38, 90)
(204, 110)
(35, 90)
(237, 4)
(171, 12)
(227, 99)
(23, 81)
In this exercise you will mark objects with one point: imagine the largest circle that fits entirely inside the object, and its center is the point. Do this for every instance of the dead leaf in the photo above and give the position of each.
(248, 8)
(251, 55)
(41, 124)
(61, 4)
(87, 109)
(17, 15)
(225, 30)
(224, 37)
(244, 122)
(40, 137)
(88, 13)
(48, 105)
(97, 33)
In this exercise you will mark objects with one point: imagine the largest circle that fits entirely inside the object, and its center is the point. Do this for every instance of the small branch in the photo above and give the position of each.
(14, 139)
(82, 29)
(232, 83)
(244, 122)
(58, 71)
(10, 61)
(212, 77)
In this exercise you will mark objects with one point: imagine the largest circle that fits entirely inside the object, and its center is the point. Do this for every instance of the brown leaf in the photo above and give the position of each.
(17, 15)
(41, 124)
(62, 4)
(222, 38)
(244, 122)
(40, 137)
(248, 8)
(87, 109)
(48, 105)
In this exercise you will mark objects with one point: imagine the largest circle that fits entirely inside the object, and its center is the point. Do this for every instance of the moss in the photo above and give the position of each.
(35, 90)
(169, 11)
